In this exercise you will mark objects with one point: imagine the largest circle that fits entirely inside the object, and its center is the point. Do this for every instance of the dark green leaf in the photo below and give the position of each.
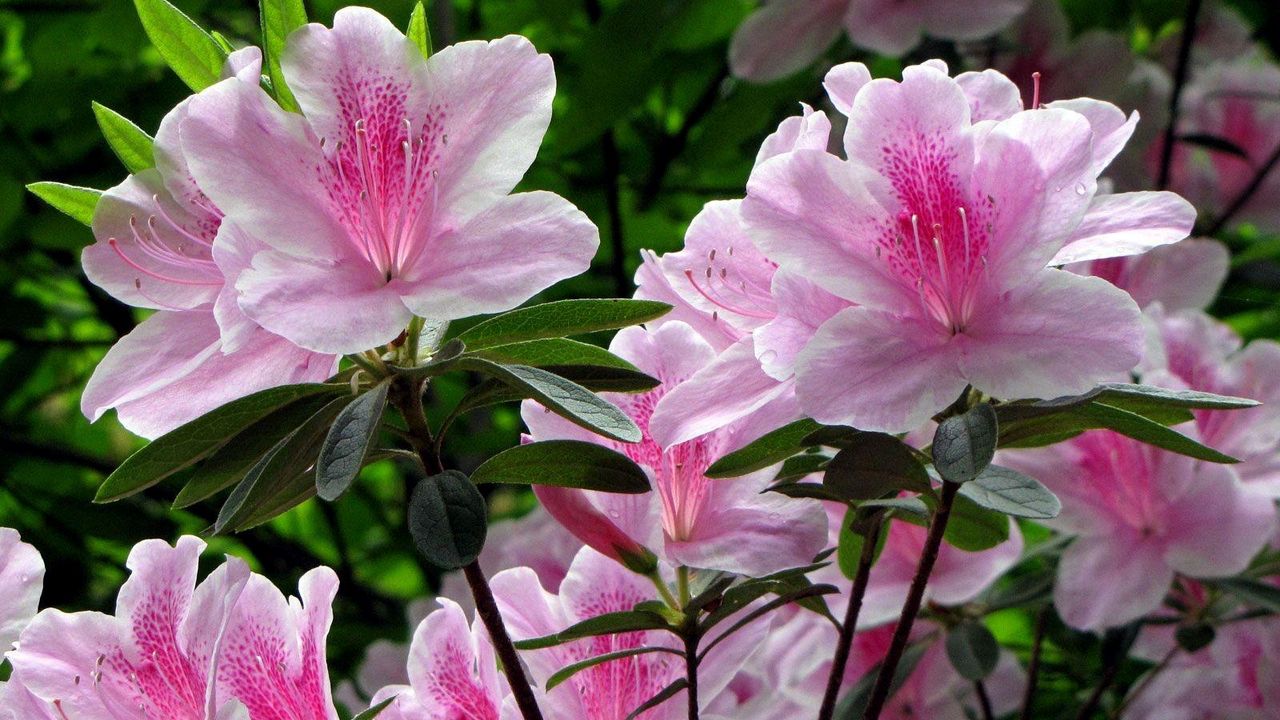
(128, 141)
(831, 436)
(418, 31)
(909, 505)
(795, 592)
(279, 18)
(1012, 493)
(607, 624)
(1135, 397)
(569, 671)
(854, 704)
(809, 490)
(182, 447)
(972, 528)
(557, 319)
(964, 444)
(77, 203)
(1153, 433)
(376, 710)
(1030, 589)
(873, 465)
(448, 520)
(770, 449)
(798, 467)
(851, 541)
(563, 397)
(193, 54)
(973, 650)
(1194, 637)
(597, 379)
(1044, 428)
(663, 695)
(554, 351)
(1252, 592)
(441, 362)
(349, 441)
(564, 463)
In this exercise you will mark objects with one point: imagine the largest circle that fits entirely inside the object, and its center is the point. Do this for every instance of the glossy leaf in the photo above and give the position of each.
(130, 143)
(972, 649)
(569, 671)
(375, 711)
(1012, 493)
(554, 351)
(77, 203)
(1194, 637)
(448, 520)
(663, 695)
(279, 18)
(561, 318)
(564, 463)
(418, 31)
(965, 444)
(192, 53)
(769, 449)
(349, 441)
(873, 465)
(606, 624)
(972, 528)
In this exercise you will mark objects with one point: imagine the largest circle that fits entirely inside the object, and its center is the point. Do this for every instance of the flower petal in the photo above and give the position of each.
(783, 37)
(843, 82)
(21, 580)
(992, 96)
(1127, 224)
(1105, 581)
(1201, 543)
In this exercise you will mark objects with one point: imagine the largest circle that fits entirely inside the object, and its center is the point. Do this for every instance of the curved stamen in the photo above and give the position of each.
(115, 245)
(720, 302)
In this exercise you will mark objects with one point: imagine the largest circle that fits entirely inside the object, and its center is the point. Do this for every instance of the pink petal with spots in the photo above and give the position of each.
(452, 671)
(811, 130)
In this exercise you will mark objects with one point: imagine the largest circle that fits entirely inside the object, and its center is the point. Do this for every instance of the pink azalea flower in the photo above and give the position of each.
(156, 249)
(610, 691)
(231, 646)
(1139, 515)
(452, 671)
(21, 580)
(1233, 678)
(1195, 351)
(1185, 275)
(944, 232)
(389, 196)
(785, 36)
(688, 518)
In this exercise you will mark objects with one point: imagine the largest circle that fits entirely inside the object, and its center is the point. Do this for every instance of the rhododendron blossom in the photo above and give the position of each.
(21, 579)
(388, 197)
(155, 249)
(1140, 515)
(1185, 275)
(787, 35)
(943, 230)
(231, 646)
(688, 518)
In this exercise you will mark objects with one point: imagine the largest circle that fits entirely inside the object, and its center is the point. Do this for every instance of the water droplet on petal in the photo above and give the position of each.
(615, 514)
(1081, 189)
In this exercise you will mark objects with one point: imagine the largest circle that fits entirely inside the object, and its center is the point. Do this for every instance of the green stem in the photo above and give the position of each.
(682, 585)
(664, 591)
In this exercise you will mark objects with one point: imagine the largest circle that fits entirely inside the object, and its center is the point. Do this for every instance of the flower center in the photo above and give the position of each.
(737, 293)
(155, 254)
(942, 257)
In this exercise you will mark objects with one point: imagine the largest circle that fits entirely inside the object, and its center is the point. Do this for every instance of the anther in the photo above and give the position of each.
(1035, 90)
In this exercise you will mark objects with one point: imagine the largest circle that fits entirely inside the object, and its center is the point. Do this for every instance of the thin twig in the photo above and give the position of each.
(1245, 195)
(902, 633)
(1175, 98)
(1095, 697)
(1033, 665)
(856, 593)
(669, 147)
(984, 700)
(691, 669)
(487, 609)
(1144, 682)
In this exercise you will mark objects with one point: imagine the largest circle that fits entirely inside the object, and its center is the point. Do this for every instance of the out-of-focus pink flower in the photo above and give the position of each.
(452, 671)
(21, 580)
(943, 230)
(688, 518)
(785, 36)
(156, 249)
(536, 541)
(389, 196)
(1233, 678)
(610, 691)
(1139, 515)
(1185, 275)
(1195, 351)
(231, 646)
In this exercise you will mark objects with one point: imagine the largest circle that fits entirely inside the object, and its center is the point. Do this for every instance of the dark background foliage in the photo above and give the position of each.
(647, 128)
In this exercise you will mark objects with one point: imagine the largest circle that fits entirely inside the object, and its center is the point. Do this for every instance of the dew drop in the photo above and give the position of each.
(1081, 189)
(615, 514)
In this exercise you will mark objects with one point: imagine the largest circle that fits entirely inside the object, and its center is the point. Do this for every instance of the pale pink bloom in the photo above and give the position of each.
(1185, 275)
(452, 673)
(785, 36)
(389, 195)
(687, 518)
(155, 249)
(1192, 350)
(610, 691)
(943, 231)
(181, 651)
(384, 661)
(1234, 678)
(1139, 515)
(21, 580)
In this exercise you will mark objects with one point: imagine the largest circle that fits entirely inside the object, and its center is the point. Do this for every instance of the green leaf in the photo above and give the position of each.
(913, 506)
(279, 18)
(557, 319)
(1132, 397)
(972, 649)
(554, 351)
(184, 446)
(854, 704)
(564, 463)
(770, 449)
(606, 624)
(1194, 637)
(596, 379)
(1252, 592)
(972, 528)
(873, 465)
(281, 475)
(448, 520)
(1150, 432)
(193, 54)
(851, 541)
(563, 397)
(663, 695)
(129, 142)
(77, 203)
(798, 467)
(349, 441)
(806, 490)
(376, 710)
(442, 361)
(418, 31)
(569, 671)
(1012, 493)
(964, 444)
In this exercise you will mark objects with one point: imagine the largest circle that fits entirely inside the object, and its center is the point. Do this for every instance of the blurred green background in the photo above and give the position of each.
(647, 128)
